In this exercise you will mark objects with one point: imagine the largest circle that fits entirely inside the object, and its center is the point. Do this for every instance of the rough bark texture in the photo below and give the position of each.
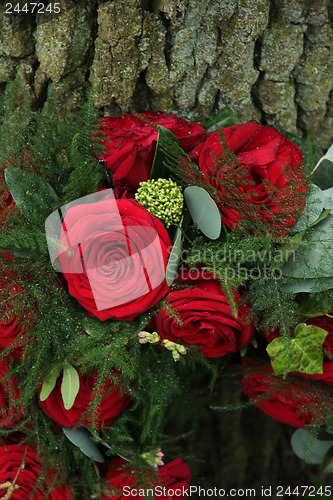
(271, 60)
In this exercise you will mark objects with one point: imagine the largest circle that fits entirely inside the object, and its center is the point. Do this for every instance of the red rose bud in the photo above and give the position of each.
(113, 402)
(20, 470)
(264, 182)
(174, 478)
(131, 143)
(292, 400)
(201, 315)
(113, 254)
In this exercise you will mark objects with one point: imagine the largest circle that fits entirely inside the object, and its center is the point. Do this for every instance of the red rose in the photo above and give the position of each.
(116, 257)
(291, 400)
(204, 318)
(112, 404)
(12, 457)
(263, 182)
(131, 148)
(326, 323)
(175, 477)
(10, 411)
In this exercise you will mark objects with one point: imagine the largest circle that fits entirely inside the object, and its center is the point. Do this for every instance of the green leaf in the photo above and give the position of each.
(313, 305)
(296, 285)
(327, 462)
(167, 144)
(222, 119)
(49, 382)
(81, 438)
(174, 257)
(328, 198)
(314, 257)
(303, 353)
(204, 211)
(314, 205)
(323, 175)
(308, 448)
(33, 195)
(70, 386)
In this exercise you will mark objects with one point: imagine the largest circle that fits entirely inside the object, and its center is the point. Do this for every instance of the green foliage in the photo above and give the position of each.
(301, 353)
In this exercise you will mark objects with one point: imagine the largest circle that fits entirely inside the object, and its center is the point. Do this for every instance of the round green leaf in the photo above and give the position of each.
(81, 438)
(204, 211)
(308, 448)
(70, 386)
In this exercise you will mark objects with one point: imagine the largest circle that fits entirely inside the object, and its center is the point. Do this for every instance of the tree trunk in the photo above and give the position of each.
(269, 60)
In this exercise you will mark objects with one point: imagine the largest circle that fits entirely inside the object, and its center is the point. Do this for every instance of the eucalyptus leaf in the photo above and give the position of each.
(329, 154)
(81, 438)
(296, 285)
(174, 257)
(70, 386)
(314, 257)
(308, 448)
(49, 383)
(314, 204)
(204, 211)
(323, 175)
(33, 195)
(302, 353)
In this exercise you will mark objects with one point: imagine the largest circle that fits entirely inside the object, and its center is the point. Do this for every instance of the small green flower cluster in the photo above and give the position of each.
(163, 198)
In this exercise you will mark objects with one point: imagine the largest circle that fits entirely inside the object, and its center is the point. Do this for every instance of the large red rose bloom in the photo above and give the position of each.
(202, 316)
(11, 459)
(131, 143)
(118, 270)
(174, 477)
(263, 181)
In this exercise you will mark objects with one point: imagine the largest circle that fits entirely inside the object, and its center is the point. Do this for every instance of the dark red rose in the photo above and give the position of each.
(115, 259)
(132, 142)
(113, 402)
(10, 411)
(326, 323)
(262, 182)
(204, 318)
(12, 457)
(175, 477)
(293, 400)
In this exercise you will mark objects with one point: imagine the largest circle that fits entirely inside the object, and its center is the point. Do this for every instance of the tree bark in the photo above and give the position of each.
(269, 60)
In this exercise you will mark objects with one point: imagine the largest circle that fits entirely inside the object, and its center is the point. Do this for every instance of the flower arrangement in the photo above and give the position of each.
(136, 251)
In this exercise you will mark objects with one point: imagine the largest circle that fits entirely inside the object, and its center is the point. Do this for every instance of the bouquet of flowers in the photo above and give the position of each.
(139, 254)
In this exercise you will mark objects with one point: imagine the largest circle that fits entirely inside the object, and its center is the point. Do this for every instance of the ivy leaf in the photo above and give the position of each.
(222, 119)
(295, 285)
(70, 386)
(204, 211)
(312, 305)
(33, 195)
(49, 382)
(174, 257)
(81, 438)
(314, 257)
(303, 353)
